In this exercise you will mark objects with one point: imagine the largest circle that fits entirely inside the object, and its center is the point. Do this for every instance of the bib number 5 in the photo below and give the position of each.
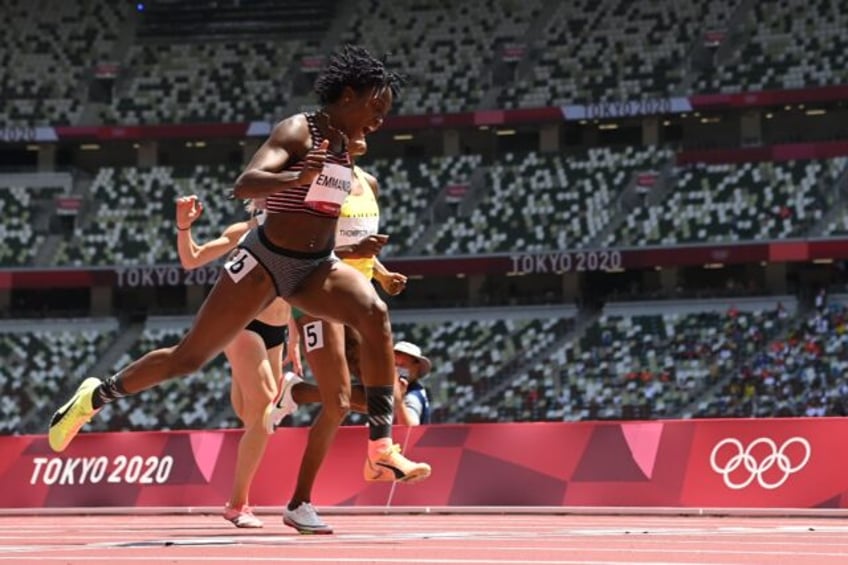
(313, 335)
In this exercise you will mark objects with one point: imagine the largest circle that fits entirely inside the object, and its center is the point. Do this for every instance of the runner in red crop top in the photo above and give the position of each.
(356, 92)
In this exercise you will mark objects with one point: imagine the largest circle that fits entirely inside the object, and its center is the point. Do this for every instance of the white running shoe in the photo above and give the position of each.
(242, 517)
(305, 520)
(285, 405)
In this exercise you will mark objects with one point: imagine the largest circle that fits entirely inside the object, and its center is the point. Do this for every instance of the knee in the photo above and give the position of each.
(254, 404)
(376, 319)
(338, 406)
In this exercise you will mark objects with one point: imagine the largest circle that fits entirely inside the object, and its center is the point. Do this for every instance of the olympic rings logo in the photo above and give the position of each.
(757, 470)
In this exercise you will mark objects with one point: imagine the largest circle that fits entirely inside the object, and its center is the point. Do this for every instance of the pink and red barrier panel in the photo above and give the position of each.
(780, 463)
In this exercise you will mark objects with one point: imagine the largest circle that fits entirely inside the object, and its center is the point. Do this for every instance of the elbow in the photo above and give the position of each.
(189, 263)
(240, 189)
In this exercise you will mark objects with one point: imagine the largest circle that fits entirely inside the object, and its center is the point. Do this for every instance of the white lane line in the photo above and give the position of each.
(392, 560)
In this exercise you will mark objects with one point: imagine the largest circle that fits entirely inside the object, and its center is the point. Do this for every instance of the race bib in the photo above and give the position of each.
(351, 230)
(329, 189)
(240, 264)
(313, 335)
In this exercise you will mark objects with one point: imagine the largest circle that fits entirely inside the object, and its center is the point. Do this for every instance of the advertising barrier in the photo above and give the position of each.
(601, 110)
(767, 463)
(524, 263)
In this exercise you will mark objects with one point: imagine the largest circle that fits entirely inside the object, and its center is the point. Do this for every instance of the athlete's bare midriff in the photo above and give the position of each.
(301, 232)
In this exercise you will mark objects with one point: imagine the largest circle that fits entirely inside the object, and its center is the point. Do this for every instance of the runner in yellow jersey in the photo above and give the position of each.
(332, 350)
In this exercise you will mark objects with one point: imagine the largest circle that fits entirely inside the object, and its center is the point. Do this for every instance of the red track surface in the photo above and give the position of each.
(428, 539)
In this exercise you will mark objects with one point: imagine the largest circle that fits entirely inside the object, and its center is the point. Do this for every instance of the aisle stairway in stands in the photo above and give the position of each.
(500, 383)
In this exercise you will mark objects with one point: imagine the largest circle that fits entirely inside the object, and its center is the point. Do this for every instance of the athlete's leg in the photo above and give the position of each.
(308, 393)
(215, 325)
(236, 397)
(353, 351)
(323, 344)
(254, 374)
(338, 292)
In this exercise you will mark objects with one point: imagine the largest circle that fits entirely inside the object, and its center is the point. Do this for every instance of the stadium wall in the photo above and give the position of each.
(688, 464)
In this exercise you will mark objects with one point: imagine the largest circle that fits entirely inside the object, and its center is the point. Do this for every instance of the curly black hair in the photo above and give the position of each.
(355, 67)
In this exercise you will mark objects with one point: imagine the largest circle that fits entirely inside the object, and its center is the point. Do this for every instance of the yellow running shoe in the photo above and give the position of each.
(68, 419)
(392, 466)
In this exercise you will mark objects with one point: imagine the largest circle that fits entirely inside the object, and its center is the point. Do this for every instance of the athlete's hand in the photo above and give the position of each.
(313, 163)
(189, 208)
(293, 357)
(392, 283)
(369, 246)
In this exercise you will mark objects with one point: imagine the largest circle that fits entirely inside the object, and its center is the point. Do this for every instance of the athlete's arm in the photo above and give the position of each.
(289, 141)
(367, 247)
(393, 283)
(192, 255)
(294, 356)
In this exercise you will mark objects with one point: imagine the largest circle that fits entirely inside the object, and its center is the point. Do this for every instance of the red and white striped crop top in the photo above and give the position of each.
(294, 199)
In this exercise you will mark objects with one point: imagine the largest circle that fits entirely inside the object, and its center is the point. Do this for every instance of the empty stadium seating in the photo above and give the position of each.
(578, 52)
(205, 82)
(19, 208)
(613, 50)
(441, 47)
(734, 202)
(533, 201)
(43, 362)
(541, 201)
(50, 52)
(791, 44)
(633, 365)
(133, 217)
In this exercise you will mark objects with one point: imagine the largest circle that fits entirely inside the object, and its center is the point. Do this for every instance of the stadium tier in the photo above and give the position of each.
(43, 361)
(800, 374)
(633, 361)
(790, 44)
(479, 54)
(132, 214)
(735, 202)
(204, 82)
(531, 201)
(49, 55)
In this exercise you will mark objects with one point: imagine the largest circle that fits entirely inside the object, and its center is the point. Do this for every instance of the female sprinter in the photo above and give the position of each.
(332, 350)
(303, 171)
(255, 355)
